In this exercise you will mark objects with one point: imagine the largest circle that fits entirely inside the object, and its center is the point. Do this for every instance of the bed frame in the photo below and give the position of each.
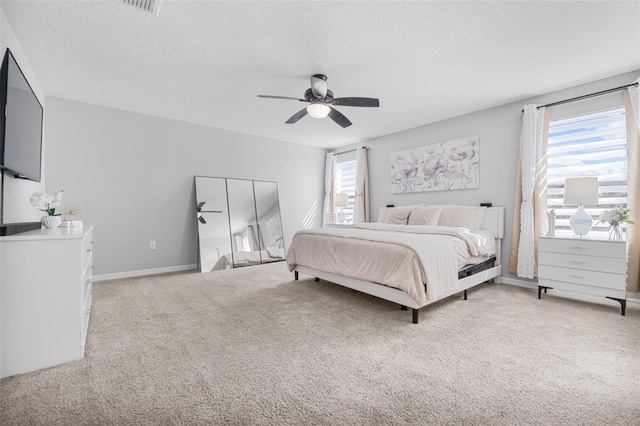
(493, 222)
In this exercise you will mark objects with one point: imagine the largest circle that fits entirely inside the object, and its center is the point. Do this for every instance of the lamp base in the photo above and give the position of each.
(581, 222)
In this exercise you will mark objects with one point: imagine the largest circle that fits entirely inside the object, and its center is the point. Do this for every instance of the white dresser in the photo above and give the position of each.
(594, 267)
(46, 278)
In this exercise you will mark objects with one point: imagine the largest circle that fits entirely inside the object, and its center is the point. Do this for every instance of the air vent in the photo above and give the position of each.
(150, 6)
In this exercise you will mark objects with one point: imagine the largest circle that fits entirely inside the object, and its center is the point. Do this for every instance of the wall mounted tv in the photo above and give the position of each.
(21, 123)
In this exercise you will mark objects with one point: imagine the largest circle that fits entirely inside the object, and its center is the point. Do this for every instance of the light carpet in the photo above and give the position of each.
(251, 346)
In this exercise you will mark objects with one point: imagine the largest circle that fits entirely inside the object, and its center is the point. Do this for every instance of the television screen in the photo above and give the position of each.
(21, 123)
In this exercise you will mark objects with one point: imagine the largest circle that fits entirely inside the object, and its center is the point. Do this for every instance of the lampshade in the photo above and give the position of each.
(340, 199)
(581, 191)
(318, 110)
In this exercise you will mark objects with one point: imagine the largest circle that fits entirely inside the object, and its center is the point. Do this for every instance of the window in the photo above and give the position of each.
(345, 183)
(592, 144)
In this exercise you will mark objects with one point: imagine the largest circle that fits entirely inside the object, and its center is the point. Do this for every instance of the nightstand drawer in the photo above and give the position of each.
(601, 248)
(587, 263)
(582, 277)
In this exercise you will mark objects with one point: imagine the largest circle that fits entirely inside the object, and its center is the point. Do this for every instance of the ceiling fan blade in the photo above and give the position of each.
(297, 116)
(339, 118)
(282, 97)
(357, 102)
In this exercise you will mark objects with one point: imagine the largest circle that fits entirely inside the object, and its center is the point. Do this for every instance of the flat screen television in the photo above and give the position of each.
(21, 123)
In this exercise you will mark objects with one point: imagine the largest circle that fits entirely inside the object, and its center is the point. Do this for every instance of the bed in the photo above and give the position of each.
(412, 263)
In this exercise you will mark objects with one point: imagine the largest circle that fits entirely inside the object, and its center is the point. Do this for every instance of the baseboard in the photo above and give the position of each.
(142, 273)
(518, 283)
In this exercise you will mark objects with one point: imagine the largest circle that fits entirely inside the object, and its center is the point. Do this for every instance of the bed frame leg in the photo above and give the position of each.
(465, 295)
(416, 314)
(403, 308)
(295, 274)
(317, 279)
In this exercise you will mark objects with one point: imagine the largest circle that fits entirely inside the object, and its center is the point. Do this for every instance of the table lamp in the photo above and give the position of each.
(581, 191)
(340, 202)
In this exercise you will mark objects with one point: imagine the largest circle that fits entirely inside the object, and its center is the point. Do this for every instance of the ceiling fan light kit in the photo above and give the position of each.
(318, 110)
(321, 100)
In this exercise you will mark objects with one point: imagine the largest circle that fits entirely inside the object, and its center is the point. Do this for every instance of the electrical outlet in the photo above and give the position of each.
(152, 245)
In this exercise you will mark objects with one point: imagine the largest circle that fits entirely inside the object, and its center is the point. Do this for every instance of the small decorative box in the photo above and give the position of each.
(71, 224)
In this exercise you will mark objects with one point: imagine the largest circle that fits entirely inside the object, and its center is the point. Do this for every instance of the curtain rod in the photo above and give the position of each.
(590, 95)
(349, 150)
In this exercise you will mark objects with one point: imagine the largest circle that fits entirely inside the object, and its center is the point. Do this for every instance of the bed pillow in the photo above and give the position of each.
(397, 216)
(424, 216)
(462, 216)
(382, 213)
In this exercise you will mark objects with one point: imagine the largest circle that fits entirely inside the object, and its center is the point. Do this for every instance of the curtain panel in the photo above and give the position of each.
(529, 219)
(632, 112)
(361, 204)
(328, 186)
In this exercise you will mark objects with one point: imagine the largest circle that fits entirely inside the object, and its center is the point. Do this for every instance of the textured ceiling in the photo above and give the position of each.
(205, 62)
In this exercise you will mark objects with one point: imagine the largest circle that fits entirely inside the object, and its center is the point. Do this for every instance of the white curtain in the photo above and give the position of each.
(634, 95)
(328, 186)
(531, 143)
(632, 108)
(361, 204)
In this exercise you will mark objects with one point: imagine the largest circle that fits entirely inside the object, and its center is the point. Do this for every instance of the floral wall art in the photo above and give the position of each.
(438, 167)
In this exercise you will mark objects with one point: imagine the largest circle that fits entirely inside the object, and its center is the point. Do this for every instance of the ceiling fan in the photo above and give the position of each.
(321, 102)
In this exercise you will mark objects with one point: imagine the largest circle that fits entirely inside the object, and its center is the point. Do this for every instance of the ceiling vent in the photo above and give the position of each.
(150, 6)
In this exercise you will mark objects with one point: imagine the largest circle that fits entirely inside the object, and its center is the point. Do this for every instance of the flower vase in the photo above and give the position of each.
(51, 221)
(615, 233)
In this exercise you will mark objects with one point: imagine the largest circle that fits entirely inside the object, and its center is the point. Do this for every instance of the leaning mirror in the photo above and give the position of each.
(242, 214)
(270, 236)
(213, 221)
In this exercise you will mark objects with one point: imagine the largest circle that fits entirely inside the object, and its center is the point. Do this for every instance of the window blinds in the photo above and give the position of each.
(593, 144)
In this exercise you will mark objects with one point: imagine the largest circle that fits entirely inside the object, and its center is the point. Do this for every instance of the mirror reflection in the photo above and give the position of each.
(271, 239)
(242, 214)
(245, 215)
(213, 221)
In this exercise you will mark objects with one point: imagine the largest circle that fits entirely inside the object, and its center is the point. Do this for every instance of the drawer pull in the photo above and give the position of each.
(88, 281)
(88, 250)
(577, 276)
(577, 248)
(575, 261)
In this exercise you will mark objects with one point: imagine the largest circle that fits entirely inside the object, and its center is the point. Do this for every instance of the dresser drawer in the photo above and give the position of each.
(584, 289)
(583, 247)
(587, 263)
(86, 289)
(85, 313)
(581, 276)
(87, 249)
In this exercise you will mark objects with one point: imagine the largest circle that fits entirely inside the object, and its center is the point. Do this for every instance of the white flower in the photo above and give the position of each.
(619, 214)
(46, 202)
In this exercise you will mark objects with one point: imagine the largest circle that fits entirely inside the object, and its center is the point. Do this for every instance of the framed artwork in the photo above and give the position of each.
(330, 218)
(438, 167)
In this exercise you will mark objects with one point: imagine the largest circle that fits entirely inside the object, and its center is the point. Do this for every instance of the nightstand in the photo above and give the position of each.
(594, 267)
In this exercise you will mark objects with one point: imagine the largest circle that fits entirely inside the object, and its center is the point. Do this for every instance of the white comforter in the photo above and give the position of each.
(401, 256)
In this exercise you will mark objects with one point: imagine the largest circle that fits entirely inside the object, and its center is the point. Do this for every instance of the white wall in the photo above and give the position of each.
(499, 131)
(132, 176)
